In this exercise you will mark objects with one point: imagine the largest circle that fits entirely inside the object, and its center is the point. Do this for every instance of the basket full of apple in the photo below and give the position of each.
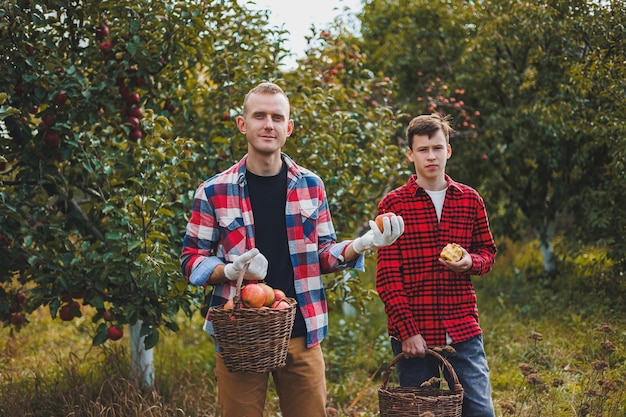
(253, 329)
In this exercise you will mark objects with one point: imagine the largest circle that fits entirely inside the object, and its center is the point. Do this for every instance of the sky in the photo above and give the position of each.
(298, 15)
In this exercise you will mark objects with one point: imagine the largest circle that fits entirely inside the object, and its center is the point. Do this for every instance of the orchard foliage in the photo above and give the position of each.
(546, 79)
(114, 112)
(99, 101)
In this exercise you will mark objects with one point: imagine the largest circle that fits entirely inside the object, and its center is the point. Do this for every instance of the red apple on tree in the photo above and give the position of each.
(136, 112)
(135, 134)
(115, 333)
(102, 32)
(60, 98)
(65, 313)
(51, 138)
(106, 46)
(108, 315)
(132, 122)
(20, 297)
(49, 119)
(17, 319)
(134, 98)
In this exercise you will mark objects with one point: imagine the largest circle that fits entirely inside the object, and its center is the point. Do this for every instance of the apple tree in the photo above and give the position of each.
(542, 84)
(552, 95)
(345, 124)
(111, 113)
(420, 45)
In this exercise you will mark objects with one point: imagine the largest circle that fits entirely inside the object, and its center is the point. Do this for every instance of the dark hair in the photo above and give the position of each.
(428, 124)
(263, 88)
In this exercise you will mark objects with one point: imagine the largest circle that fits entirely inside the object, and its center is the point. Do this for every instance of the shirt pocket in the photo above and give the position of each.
(309, 214)
(233, 232)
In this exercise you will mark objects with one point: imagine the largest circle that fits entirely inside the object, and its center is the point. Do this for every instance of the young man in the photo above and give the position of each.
(272, 214)
(430, 301)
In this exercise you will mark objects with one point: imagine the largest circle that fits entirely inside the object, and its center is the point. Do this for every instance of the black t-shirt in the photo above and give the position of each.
(268, 197)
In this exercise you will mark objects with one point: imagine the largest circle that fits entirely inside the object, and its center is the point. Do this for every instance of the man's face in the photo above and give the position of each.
(266, 123)
(430, 155)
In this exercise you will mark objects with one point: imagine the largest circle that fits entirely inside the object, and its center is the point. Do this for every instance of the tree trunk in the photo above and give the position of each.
(545, 246)
(141, 360)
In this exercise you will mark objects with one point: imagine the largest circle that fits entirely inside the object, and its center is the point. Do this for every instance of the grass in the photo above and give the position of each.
(556, 347)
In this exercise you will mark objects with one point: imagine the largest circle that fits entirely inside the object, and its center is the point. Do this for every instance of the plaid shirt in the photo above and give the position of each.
(422, 296)
(222, 225)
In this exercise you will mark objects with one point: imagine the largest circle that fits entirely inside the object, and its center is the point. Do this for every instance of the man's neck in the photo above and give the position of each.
(264, 165)
(436, 184)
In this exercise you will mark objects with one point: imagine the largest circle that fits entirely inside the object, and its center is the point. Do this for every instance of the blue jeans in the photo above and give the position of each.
(470, 365)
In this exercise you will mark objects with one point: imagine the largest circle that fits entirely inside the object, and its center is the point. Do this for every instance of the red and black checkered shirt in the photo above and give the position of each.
(422, 296)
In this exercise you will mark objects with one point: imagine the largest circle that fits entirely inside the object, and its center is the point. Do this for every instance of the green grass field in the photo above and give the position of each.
(556, 347)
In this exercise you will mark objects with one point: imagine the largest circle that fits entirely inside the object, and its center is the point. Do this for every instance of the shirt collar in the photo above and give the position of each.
(414, 186)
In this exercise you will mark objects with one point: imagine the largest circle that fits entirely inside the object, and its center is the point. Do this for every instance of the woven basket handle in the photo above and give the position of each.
(237, 296)
(457, 385)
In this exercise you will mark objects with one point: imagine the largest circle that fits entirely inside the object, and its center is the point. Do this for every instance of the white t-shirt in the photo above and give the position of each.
(438, 197)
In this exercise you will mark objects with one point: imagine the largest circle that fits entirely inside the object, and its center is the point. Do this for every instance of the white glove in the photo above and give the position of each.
(393, 227)
(257, 268)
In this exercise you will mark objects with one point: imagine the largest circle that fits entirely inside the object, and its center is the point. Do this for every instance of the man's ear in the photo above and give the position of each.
(241, 124)
(449, 149)
(290, 126)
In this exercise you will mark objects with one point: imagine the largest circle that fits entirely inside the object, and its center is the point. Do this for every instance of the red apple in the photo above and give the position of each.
(20, 297)
(108, 315)
(17, 319)
(280, 305)
(269, 294)
(60, 98)
(135, 134)
(136, 112)
(230, 304)
(134, 98)
(106, 46)
(132, 122)
(102, 32)
(51, 138)
(379, 220)
(252, 295)
(115, 333)
(278, 294)
(49, 119)
(124, 92)
(65, 313)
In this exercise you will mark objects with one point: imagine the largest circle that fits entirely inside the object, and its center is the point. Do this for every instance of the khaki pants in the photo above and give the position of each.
(301, 385)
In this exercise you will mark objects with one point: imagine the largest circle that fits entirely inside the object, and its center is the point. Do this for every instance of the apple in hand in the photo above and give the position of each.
(379, 220)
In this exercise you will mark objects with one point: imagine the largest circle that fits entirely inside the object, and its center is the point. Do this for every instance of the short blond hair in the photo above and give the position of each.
(263, 88)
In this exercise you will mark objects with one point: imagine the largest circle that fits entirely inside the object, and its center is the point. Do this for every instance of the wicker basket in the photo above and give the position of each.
(253, 339)
(418, 402)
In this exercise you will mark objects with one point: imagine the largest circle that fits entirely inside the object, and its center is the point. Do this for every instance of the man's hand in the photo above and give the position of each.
(393, 227)
(414, 346)
(257, 268)
(462, 266)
